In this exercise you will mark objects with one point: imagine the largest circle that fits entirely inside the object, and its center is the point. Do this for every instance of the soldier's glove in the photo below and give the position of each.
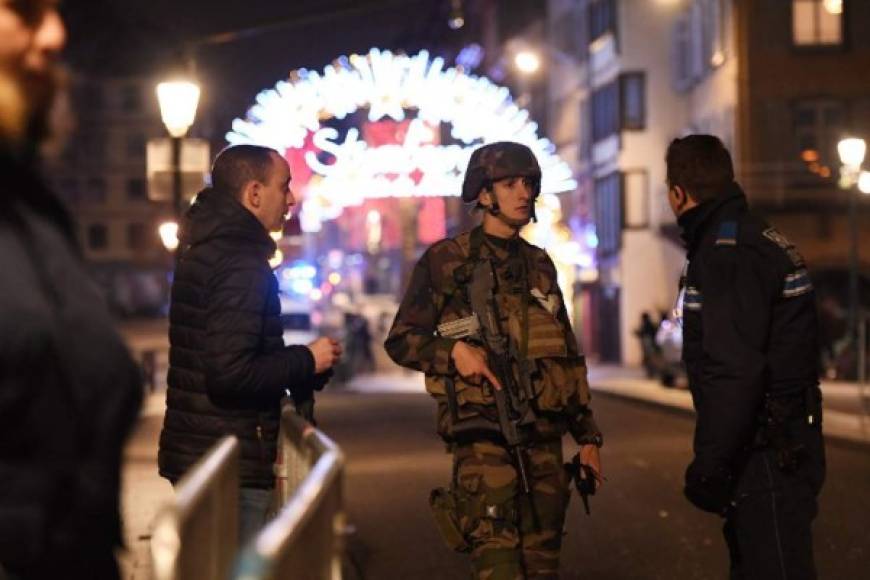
(710, 492)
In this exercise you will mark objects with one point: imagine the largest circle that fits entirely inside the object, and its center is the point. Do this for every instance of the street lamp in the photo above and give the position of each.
(852, 151)
(456, 20)
(527, 61)
(178, 100)
(169, 235)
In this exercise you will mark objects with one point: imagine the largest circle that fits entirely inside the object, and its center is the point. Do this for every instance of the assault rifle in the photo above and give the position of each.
(512, 403)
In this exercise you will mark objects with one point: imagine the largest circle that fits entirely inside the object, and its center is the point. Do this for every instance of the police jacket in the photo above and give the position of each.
(749, 328)
(526, 280)
(69, 394)
(228, 367)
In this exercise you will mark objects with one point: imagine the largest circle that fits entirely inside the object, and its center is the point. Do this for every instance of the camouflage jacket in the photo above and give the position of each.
(436, 294)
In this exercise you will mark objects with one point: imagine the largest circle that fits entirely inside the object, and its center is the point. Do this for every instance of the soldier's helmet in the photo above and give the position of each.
(496, 161)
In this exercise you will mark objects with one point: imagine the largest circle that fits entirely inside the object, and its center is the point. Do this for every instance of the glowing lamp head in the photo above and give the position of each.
(456, 20)
(864, 182)
(169, 235)
(833, 6)
(851, 152)
(527, 62)
(178, 101)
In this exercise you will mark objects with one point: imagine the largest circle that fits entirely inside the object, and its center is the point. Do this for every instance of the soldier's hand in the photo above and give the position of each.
(471, 363)
(326, 352)
(591, 456)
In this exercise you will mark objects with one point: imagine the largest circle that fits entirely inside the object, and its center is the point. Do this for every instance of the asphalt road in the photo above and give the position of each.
(640, 528)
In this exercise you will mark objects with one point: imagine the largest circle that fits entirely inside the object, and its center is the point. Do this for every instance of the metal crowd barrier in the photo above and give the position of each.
(196, 536)
(304, 540)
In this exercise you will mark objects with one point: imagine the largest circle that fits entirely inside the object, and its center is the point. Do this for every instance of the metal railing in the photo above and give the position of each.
(196, 536)
(304, 540)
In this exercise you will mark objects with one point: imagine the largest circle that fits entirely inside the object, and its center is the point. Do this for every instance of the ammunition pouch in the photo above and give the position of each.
(457, 513)
(445, 510)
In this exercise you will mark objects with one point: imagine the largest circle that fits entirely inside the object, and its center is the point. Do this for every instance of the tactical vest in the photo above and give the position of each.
(528, 302)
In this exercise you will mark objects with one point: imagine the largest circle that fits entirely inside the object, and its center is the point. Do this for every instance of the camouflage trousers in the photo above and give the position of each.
(512, 536)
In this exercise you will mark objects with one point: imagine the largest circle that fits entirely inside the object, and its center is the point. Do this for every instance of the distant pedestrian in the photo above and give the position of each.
(750, 349)
(646, 333)
(69, 390)
(229, 367)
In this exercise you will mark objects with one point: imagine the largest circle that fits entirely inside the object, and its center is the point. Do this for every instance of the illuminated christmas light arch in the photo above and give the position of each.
(290, 116)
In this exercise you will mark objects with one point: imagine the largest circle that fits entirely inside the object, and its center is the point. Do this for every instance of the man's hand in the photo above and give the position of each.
(326, 352)
(471, 363)
(709, 491)
(590, 455)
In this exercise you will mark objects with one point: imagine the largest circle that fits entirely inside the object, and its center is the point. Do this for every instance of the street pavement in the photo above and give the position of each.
(641, 527)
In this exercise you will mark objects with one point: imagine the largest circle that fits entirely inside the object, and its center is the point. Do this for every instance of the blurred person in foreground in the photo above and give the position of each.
(750, 350)
(509, 492)
(229, 367)
(69, 391)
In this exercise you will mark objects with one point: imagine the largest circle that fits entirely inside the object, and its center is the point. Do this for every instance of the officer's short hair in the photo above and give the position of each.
(700, 164)
(236, 165)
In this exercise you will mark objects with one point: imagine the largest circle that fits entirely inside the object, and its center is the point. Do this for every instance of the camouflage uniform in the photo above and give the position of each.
(509, 535)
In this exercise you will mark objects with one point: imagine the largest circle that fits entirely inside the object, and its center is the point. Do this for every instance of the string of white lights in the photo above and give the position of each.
(476, 110)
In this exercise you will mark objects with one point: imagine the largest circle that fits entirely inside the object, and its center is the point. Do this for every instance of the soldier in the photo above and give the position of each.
(510, 534)
(750, 349)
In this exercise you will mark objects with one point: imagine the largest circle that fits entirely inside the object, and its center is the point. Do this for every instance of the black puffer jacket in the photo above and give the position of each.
(228, 366)
(69, 395)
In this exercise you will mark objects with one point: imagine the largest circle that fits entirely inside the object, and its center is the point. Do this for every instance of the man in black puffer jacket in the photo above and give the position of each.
(229, 367)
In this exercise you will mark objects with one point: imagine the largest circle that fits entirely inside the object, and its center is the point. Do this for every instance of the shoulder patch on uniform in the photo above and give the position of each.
(797, 283)
(785, 245)
(727, 234)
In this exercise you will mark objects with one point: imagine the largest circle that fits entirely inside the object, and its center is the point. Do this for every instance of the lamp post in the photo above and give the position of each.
(178, 100)
(851, 151)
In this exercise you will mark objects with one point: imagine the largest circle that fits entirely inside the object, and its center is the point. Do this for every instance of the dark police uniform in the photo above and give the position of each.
(750, 349)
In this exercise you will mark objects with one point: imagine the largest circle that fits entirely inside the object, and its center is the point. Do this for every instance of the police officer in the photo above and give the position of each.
(749, 332)
(509, 534)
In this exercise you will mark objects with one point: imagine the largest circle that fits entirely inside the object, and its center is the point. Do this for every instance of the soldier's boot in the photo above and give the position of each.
(496, 564)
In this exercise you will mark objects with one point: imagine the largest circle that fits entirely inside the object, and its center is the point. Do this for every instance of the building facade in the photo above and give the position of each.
(100, 172)
(779, 82)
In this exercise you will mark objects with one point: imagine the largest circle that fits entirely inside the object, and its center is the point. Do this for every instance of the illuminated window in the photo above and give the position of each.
(817, 22)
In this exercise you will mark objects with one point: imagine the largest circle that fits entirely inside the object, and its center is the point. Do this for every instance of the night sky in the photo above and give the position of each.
(146, 37)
